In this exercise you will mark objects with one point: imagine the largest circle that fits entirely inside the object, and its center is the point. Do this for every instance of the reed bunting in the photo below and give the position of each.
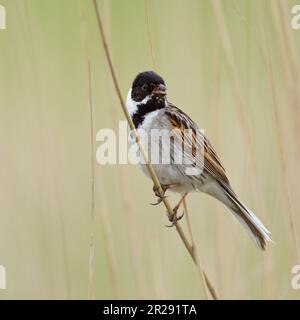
(149, 108)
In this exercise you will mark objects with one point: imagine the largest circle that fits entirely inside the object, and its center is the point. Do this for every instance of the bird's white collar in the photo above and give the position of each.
(132, 106)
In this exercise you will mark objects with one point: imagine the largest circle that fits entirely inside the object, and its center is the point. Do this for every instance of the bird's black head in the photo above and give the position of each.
(148, 84)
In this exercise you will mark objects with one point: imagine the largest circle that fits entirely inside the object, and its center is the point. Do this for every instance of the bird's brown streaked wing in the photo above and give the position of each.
(212, 164)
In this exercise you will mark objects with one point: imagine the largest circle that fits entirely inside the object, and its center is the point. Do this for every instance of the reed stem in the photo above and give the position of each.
(194, 248)
(136, 137)
(92, 241)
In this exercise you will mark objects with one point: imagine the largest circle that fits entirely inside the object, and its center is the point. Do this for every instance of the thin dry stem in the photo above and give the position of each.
(92, 242)
(194, 248)
(237, 91)
(282, 153)
(92, 148)
(289, 68)
(292, 61)
(135, 135)
(105, 223)
(27, 28)
(251, 31)
(126, 196)
(216, 105)
(150, 36)
(227, 48)
(108, 242)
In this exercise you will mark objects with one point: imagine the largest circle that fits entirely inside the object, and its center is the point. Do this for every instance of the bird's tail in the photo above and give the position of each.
(255, 228)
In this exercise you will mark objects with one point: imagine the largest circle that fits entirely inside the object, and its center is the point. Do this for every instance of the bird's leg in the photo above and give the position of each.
(161, 195)
(173, 218)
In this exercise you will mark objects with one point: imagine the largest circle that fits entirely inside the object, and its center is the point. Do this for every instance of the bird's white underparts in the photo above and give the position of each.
(120, 148)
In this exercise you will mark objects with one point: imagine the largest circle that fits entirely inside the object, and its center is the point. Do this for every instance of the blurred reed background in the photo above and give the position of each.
(232, 65)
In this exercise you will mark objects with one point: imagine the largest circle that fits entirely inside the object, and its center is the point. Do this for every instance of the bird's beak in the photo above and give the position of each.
(159, 90)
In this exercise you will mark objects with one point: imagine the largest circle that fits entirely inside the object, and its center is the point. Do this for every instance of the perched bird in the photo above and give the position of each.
(149, 108)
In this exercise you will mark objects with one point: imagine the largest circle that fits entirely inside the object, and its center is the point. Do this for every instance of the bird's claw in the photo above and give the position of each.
(159, 200)
(173, 218)
(160, 195)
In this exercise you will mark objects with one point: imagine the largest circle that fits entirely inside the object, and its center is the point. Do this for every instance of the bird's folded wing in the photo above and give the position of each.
(196, 142)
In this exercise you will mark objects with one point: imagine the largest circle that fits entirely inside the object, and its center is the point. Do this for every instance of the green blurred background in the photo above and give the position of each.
(232, 65)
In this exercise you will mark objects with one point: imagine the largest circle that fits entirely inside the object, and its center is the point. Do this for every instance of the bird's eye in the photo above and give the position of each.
(145, 87)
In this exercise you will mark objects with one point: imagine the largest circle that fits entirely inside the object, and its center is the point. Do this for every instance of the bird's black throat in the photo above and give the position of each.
(143, 109)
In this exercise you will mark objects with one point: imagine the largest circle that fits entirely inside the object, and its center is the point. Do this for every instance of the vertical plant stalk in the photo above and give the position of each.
(227, 48)
(136, 137)
(289, 66)
(27, 28)
(295, 101)
(237, 91)
(292, 61)
(251, 31)
(108, 243)
(217, 125)
(135, 245)
(194, 248)
(257, 193)
(126, 194)
(92, 146)
(104, 216)
(150, 36)
(282, 153)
